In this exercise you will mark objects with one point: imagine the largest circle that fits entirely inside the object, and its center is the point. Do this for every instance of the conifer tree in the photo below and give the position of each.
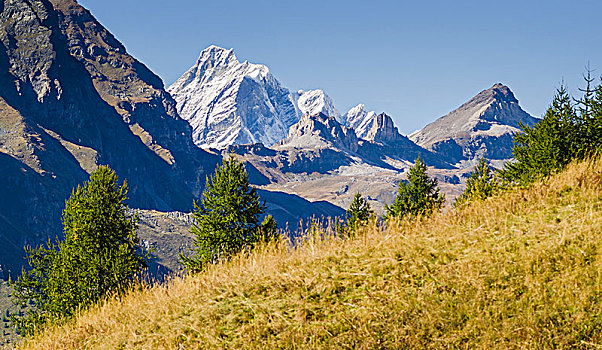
(359, 213)
(547, 146)
(420, 196)
(590, 117)
(100, 254)
(480, 185)
(227, 220)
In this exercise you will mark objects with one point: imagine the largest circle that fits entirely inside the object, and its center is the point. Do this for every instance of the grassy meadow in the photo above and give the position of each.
(519, 270)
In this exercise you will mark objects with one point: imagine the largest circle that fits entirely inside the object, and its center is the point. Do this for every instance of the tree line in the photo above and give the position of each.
(100, 253)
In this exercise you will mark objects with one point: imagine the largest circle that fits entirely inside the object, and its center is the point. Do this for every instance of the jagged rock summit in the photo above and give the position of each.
(314, 102)
(482, 127)
(319, 131)
(359, 120)
(384, 131)
(228, 102)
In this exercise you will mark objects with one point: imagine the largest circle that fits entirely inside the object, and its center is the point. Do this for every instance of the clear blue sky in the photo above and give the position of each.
(415, 60)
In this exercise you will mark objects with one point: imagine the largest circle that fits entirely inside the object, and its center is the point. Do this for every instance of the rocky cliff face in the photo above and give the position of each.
(482, 127)
(319, 131)
(71, 98)
(384, 131)
(230, 102)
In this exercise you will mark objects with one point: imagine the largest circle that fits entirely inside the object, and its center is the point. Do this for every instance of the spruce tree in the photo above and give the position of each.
(100, 255)
(420, 196)
(359, 213)
(227, 220)
(590, 118)
(547, 146)
(480, 185)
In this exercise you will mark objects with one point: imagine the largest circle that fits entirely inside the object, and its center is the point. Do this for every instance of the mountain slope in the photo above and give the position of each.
(230, 102)
(72, 98)
(359, 120)
(314, 102)
(483, 126)
(500, 274)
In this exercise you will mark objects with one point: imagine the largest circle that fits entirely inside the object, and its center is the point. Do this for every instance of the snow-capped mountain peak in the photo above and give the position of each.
(360, 120)
(231, 102)
(219, 56)
(314, 102)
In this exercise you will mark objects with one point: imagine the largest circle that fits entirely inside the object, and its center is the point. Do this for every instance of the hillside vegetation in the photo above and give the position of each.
(519, 270)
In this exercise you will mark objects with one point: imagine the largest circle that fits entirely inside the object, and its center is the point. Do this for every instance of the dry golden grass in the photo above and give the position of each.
(522, 270)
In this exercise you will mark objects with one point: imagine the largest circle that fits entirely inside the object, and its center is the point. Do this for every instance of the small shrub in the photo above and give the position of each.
(481, 184)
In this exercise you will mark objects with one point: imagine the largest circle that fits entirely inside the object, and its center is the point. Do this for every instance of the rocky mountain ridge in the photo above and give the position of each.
(228, 102)
(482, 127)
(71, 99)
(359, 120)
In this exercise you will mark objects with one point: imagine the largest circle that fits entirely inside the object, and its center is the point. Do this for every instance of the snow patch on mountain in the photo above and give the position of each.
(231, 102)
(482, 127)
(359, 120)
(314, 102)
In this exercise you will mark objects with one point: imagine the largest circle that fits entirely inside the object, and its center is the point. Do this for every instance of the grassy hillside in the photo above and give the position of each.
(522, 270)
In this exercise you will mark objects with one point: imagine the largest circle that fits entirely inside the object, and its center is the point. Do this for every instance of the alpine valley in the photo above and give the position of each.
(297, 142)
(72, 98)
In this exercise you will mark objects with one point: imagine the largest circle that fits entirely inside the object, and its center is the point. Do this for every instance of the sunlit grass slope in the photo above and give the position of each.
(522, 270)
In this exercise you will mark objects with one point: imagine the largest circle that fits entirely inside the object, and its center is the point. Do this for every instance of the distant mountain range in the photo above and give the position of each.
(72, 98)
(315, 147)
(232, 103)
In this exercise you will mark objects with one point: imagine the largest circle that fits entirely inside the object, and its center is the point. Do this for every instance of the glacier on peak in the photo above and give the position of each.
(230, 102)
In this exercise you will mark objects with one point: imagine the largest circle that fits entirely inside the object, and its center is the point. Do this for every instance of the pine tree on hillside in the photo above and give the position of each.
(359, 213)
(99, 255)
(547, 146)
(227, 221)
(420, 196)
(596, 119)
(480, 185)
(590, 118)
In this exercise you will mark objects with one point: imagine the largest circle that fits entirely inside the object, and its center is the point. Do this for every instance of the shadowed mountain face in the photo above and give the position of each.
(71, 98)
(482, 127)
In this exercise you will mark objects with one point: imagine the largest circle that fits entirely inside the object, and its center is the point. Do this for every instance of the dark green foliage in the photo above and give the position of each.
(481, 184)
(358, 214)
(546, 146)
(267, 231)
(227, 221)
(590, 118)
(100, 255)
(420, 196)
(567, 131)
